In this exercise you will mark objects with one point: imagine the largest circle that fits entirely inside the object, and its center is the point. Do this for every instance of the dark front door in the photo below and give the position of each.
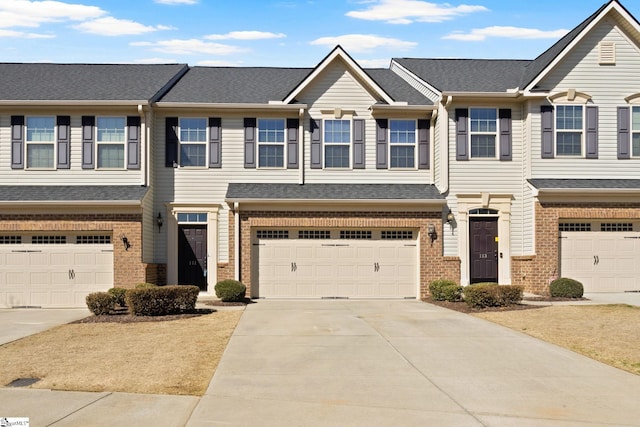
(192, 255)
(483, 249)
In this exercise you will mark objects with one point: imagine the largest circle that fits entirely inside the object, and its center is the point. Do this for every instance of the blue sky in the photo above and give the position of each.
(288, 33)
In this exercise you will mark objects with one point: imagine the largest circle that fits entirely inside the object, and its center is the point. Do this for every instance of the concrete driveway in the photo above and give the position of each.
(16, 323)
(405, 363)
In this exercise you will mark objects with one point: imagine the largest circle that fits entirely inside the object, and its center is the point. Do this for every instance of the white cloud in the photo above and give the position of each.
(155, 61)
(174, 2)
(480, 34)
(363, 42)
(22, 35)
(110, 26)
(26, 13)
(409, 11)
(245, 35)
(189, 47)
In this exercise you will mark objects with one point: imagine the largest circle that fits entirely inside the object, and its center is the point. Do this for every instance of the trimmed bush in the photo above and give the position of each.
(230, 290)
(445, 290)
(161, 300)
(145, 285)
(566, 288)
(118, 296)
(100, 303)
(483, 295)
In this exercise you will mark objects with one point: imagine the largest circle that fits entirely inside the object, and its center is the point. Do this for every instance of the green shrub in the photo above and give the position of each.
(230, 291)
(483, 295)
(145, 285)
(445, 290)
(100, 303)
(566, 288)
(161, 300)
(118, 296)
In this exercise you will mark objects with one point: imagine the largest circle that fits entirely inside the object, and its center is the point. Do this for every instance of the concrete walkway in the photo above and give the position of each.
(366, 363)
(16, 323)
(404, 363)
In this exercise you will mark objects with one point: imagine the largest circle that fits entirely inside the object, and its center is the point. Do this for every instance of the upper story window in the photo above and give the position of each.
(402, 143)
(337, 143)
(193, 141)
(110, 140)
(635, 131)
(271, 143)
(569, 130)
(40, 142)
(483, 130)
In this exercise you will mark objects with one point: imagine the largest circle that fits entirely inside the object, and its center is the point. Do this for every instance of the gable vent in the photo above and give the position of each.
(607, 53)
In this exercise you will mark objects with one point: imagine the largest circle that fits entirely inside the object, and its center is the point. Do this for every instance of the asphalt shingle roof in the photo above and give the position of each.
(84, 82)
(261, 191)
(71, 193)
(396, 87)
(585, 184)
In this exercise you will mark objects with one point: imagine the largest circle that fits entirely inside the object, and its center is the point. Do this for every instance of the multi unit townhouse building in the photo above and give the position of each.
(328, 182)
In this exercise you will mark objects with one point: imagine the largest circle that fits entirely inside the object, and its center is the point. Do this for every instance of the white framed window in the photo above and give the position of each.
(569, 130)
(110, 142)
(193, 142)
(40, 142)
(337, 143)
(635, 131)
(402, 144)
(271, 143)
(483, 129)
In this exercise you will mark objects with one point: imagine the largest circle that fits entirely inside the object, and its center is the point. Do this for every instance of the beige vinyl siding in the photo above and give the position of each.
(73, 176)
(476, 176)
(608, 85)
(336, 87)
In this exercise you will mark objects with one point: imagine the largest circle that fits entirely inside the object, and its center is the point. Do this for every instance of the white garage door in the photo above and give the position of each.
(602, 261)
(54, 271)
(363, 265)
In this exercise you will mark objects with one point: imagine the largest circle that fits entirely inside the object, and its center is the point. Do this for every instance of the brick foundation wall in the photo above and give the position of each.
(536, 272)
(128, 266)
(432, 264)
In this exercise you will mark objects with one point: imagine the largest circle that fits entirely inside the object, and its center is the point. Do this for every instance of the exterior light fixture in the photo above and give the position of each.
(159, 221)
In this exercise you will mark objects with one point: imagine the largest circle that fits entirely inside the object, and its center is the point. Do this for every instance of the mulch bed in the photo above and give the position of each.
(462, 306)
(123, 316)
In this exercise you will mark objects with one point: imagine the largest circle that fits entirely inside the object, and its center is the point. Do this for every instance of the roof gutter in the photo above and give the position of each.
(375, 108)
(512, 93)
(341, 201)
(48, 102)
(231, 106)
(100, 203)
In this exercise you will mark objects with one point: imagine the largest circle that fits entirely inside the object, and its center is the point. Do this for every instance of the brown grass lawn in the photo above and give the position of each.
(608, 333)
(167, 357)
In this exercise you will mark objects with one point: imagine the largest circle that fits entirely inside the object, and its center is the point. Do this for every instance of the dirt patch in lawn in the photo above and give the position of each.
(608, 333)
(161, 357)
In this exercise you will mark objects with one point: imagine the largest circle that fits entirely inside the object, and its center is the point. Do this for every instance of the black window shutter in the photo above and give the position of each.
(546, 119)
(250, 143)
(358, 143)
(133, 142)
(17, 142)
(292, 143)
(64, 141)
(215, 142)
(315, 128)
(624, 133)
(504, 116)
(88, 124)
(382, 125)
(171, 142)
(462, 140)
(424, 136)
(592, 132)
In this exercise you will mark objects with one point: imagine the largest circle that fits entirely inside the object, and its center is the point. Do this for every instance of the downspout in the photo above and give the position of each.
(301, 146)
(432, 148)
(236, 239)
(444, 140)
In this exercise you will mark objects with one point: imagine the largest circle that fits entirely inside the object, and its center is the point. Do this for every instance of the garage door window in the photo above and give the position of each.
(616, 226)
(49, 240)
(93, 240)
(272, 234)
(10, 240)
(355, 234)
(396, 235)
(575, 226)
(314, 234)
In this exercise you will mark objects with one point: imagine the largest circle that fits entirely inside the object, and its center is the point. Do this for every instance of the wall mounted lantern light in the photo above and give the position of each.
(125, 242)
(431, 232)
(159, 221)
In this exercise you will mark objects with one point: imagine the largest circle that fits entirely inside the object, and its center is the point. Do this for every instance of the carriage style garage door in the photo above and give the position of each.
(54, 271)
(337, 263)
(605, 259)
